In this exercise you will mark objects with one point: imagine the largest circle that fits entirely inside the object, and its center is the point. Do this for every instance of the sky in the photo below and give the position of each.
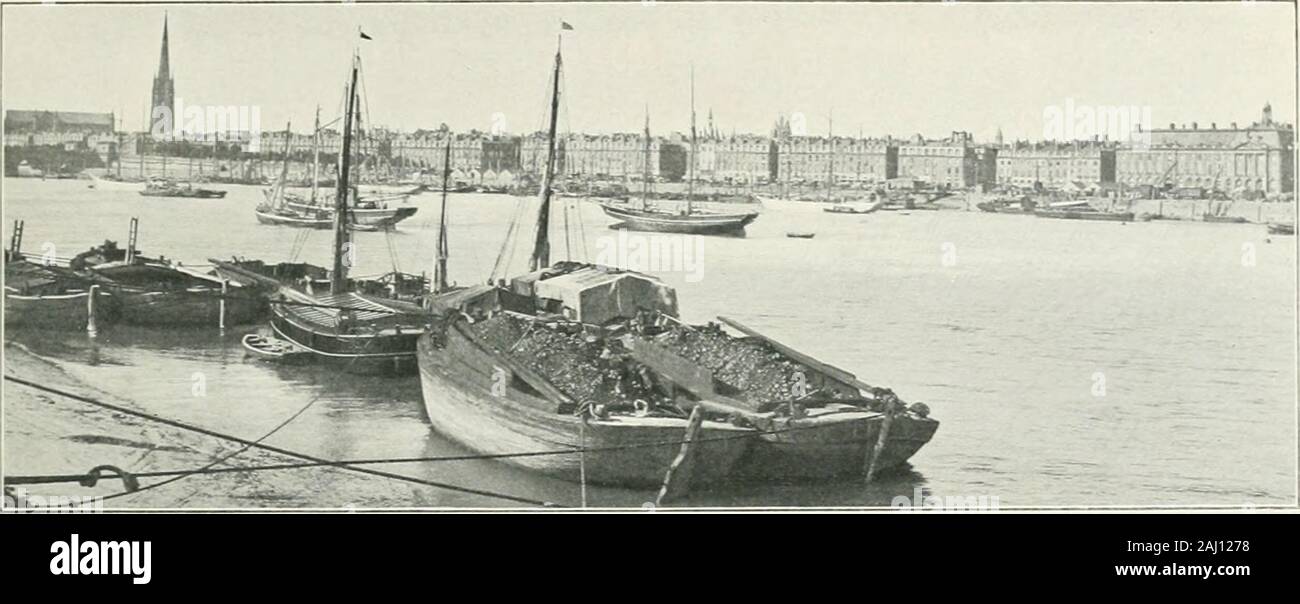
(879, 69)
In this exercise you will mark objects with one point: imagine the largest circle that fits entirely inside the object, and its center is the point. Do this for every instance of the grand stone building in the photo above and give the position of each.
(846, 160)
(1256, 158)
(1056, 165)
(950, 161)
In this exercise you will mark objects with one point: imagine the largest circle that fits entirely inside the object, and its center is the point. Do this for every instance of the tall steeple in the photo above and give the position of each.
(161, 120)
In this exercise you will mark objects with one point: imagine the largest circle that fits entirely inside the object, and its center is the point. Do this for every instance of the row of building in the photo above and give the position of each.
(1257, 157)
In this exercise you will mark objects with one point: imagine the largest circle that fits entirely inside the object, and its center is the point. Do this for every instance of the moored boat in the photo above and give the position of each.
(275, 350)
(687, 218)
(48, 297)
(1278, 228)
(188, 190)
(361, 333)
(1083, 214)
(589, 369)
(693, 221)
(153, 292)
(851, 207)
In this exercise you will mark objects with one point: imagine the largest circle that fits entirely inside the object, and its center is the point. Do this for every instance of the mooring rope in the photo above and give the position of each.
(272, 448)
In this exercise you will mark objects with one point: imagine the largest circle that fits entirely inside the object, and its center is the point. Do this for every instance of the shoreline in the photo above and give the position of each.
(45, 435)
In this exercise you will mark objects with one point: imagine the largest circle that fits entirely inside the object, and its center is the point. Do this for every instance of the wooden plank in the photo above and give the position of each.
(890, 406)
(684, 373)
(694, 379)
(677, 481)
(830, 370)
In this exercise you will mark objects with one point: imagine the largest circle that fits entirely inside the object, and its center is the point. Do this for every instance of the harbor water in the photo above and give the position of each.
(1071, 364)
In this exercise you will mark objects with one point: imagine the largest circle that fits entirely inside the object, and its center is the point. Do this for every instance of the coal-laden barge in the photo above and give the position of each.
(582, 356)
(586, 373)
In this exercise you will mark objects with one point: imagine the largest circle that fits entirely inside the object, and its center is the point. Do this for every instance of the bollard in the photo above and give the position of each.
(91, 328)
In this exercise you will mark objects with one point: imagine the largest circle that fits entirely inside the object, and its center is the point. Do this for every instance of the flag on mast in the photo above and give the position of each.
(565, 25)
(364, 36)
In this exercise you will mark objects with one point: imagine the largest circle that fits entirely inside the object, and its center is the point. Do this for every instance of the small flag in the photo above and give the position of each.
(365, 37)
(565, 25)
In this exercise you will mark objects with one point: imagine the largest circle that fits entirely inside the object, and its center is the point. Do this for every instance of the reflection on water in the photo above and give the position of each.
(1069, 363)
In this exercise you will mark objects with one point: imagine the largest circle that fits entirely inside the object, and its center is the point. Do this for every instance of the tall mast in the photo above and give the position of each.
(338, 278)
(542, 245)
(690, 180)
(440, 268)
(315, 157)
(284, 171)
(830, 157)
(645, 178)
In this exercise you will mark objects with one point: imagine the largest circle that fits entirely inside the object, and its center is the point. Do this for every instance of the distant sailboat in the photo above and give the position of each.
(688, 219)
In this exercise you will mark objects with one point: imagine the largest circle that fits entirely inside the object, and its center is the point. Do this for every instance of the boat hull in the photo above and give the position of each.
(664, 222)
(364, 218)
(293, 221)
(361, 354)
(185, 307)
(1224, 219)
(457, 383)
(194, 194)
(833, 445)
(271, 351)
(62, 312)
(1085, 215)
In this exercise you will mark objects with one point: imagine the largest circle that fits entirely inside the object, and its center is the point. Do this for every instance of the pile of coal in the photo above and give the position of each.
(758, 372)
(567, 360)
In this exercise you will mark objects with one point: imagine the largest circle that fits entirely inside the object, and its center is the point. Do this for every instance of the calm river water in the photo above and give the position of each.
(1070, 363)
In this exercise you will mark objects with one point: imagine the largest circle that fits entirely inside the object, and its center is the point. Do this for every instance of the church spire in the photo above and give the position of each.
(164, 63)
(163, 99)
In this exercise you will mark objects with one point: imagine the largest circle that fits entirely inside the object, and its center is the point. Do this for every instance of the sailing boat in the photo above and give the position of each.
(594, 359)
(843, 206)
(275, 208)
(364, 333)
(365, 212)
(688, 219)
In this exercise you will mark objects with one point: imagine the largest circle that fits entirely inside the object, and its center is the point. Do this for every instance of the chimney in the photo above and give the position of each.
(1193, 125)
(1214, 126)
(1234, 125)
(1172, 126)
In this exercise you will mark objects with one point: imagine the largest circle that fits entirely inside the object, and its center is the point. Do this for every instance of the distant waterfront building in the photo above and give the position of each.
(737, 158)
(1056, 165)
(25, 128)
(951, 161)
(618, 156)
(161, 120)
(1258, 158)
(802, 159)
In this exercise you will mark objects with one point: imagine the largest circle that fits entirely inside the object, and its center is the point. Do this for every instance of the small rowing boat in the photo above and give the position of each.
(275, 350)
(800, 235)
